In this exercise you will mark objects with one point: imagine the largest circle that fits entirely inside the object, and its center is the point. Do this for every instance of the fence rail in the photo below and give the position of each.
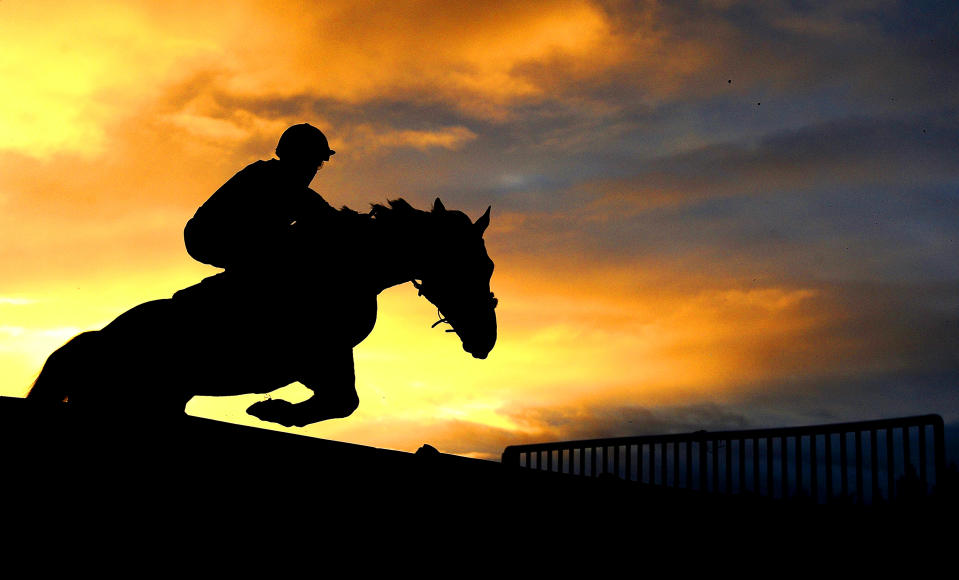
(866, 461)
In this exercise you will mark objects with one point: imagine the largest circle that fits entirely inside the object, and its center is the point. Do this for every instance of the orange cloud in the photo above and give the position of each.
(118, 119)
(70, 68)
(71, 77)
(446, 50)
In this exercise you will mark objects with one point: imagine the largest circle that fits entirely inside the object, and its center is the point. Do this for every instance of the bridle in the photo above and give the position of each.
(433, 297)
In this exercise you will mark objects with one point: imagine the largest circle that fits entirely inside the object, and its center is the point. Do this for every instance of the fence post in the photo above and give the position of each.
(702, 462)
(774, 455)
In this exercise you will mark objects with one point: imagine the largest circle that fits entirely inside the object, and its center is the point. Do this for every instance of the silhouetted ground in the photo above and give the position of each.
(200, 486)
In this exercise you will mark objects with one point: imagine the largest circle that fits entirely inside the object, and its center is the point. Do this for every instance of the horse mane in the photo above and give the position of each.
(393, 208)
(397, 215)
(400, 208)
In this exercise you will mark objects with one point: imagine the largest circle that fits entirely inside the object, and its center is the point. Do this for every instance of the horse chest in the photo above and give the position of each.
(364, 322)
(347, 319)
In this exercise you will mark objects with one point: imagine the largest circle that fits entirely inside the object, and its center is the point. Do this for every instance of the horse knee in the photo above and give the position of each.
(339, 405)
(350, 404)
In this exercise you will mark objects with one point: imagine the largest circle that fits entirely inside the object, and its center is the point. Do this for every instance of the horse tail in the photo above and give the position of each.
(62, 371)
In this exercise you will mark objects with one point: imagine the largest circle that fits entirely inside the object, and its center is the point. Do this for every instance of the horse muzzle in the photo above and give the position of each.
(479, 344)
(477, 353)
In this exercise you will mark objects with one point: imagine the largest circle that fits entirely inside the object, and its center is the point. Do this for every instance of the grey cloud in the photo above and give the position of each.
(684, 52)
(814, 400)
(922, 320)
(598, 421)
(781, 403)
(788, 401)
(878, 351)
(850, 152)
(858, 199)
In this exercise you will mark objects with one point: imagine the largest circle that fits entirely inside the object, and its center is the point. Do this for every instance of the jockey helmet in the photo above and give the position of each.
(303, 141)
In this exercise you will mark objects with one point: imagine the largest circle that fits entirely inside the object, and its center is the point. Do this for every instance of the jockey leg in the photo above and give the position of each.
(334, 395)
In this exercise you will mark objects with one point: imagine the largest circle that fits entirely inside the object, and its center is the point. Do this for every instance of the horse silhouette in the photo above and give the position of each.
(237, 333)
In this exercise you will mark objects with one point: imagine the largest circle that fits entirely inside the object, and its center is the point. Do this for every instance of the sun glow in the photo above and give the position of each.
(659, 238)
(65, 79)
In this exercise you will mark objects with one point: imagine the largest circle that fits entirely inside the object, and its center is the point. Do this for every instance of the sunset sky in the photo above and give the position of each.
(705, 215)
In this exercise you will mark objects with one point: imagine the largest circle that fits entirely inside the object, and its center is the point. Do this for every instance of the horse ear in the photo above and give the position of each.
(438, 205)
(483, 222)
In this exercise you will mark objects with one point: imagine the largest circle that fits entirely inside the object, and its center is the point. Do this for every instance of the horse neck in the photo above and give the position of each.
(398, 252)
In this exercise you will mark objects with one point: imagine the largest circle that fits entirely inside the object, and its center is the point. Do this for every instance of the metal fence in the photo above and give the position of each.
(866, 462)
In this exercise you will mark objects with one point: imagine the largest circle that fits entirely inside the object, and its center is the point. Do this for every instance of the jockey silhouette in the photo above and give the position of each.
(245, 226)
(252, 228)
(298, 293)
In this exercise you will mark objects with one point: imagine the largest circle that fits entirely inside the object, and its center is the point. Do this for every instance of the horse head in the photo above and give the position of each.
(456, 277)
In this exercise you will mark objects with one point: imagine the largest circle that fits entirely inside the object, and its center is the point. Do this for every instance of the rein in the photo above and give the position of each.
(442, 319)
(431, 296)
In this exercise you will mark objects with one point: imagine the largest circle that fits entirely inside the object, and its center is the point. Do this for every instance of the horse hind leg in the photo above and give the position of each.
(63, 370)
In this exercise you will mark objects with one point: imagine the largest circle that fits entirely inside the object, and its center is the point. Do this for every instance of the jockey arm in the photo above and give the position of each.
(247, 221)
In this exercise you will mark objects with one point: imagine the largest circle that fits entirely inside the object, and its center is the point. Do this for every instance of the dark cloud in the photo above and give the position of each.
(800, 400)
(880, 349)
(930, 28)
(849, 152)
(772, 51)
(784, 403)
(594, 421)
(788, 401)
(856, 199)
(877, 351)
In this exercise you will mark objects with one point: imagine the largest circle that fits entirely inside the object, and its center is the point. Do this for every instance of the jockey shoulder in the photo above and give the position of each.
(247, 222)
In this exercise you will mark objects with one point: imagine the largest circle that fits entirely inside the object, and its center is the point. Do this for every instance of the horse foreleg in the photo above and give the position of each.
(333, 383)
